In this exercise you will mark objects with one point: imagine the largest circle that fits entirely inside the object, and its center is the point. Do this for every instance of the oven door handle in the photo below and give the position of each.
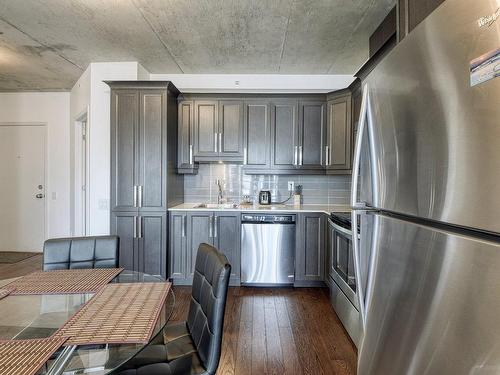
(340, 229)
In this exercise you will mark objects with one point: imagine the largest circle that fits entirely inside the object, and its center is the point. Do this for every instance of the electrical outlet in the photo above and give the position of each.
(291, 185)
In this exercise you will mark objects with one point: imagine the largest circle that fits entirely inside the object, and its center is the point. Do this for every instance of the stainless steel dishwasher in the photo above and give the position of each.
(267, 249)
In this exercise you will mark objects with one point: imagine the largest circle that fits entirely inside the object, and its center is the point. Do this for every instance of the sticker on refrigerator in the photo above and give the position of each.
(485, 67)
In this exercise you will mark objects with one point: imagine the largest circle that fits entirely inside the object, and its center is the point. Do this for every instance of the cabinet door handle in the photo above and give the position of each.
(135, 226)
(245, 156)
(295, 156)
(135, 196)
(139, 227)
(327, 157)
(300, 155)
(140, 195)
(220, 142)
(215, 142)
(215, 227)
(183, 225)
(210, 233)
(191, 154)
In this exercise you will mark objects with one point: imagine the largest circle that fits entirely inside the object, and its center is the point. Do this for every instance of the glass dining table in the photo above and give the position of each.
(39, 316)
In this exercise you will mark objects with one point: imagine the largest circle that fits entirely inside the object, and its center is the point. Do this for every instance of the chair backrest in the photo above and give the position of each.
(81, 252)
(208, 303)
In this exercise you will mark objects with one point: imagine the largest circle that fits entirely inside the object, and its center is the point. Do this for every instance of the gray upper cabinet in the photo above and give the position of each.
(284, 134)
(289, 134)
(312, 135)
(185, 147)
(152, 182)
(230, 137)
(257, 135)
(124, 149)
(339, 134)
(310, 249)
(206, 128)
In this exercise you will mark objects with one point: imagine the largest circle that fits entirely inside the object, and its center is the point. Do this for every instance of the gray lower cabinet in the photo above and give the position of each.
(177, 254)
(189, 229)
(152, 238)
(339, 134)
(124, 225)
(199, 230)
(227, 238)
(310, 249)
(143, 241)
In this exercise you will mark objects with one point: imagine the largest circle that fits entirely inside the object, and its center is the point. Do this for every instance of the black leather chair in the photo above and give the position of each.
(192, 347)
(81, 252)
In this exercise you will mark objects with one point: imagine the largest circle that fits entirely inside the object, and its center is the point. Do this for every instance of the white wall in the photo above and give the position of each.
(256, 83)
(80, 104)
(53, 109)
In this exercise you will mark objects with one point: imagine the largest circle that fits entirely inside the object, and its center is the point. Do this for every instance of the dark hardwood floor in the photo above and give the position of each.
(266, 330)
(279, 331)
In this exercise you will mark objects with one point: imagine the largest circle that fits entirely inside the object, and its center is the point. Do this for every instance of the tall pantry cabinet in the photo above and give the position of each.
(144, 183)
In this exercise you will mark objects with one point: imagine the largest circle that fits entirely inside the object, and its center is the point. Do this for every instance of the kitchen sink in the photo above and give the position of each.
(217, 206)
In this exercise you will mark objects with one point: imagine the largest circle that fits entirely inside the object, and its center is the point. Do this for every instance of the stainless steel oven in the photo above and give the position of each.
(342, 277)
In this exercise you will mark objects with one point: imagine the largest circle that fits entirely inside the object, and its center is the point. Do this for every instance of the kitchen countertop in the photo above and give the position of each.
(327, 209)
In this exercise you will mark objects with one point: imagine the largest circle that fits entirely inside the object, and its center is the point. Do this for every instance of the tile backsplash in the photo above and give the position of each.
(315, 189)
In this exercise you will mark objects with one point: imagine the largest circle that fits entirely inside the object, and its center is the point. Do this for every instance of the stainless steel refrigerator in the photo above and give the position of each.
(426, 192)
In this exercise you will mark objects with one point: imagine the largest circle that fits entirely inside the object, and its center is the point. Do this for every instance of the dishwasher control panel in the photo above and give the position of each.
(259, 218)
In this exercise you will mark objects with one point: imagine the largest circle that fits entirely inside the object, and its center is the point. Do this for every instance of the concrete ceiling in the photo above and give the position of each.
(46, 44)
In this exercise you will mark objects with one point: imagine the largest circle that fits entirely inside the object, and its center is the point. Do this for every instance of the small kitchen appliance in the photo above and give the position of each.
(265, 197)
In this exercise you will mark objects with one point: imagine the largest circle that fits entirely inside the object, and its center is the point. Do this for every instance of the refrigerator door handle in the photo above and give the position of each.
(357, 269)
(357, 151)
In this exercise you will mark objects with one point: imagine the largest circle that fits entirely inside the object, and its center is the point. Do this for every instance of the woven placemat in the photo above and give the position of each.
(26, 357)
(4, 293)
(63, 281)
(119, 314)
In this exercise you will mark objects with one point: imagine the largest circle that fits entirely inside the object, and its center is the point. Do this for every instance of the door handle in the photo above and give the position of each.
(210, 229)
(191, 154)
(135, 195)
(135, 226)
(140, 195)
(220, 142)
(300, 155)
(295, 155)
(327, 156)
(245, 156)
(215, 141)
(39, 196)
(215, 227)
(357, 150)
(139, 227)
(184, 225)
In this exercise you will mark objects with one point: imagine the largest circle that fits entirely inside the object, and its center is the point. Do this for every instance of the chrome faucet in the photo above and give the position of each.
(220, 195)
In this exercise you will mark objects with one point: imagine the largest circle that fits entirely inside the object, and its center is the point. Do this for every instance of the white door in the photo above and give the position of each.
(22, 187)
